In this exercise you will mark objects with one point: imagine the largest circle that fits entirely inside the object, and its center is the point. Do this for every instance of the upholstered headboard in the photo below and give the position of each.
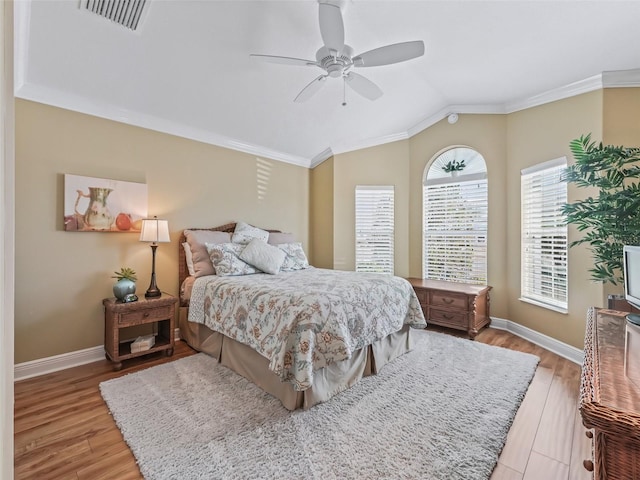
(183, 271)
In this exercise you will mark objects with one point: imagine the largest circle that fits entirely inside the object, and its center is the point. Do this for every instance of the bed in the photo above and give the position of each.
(300, 335)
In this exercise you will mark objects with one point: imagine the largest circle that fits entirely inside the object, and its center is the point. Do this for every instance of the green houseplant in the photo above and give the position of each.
(610, 219)
(126, 283)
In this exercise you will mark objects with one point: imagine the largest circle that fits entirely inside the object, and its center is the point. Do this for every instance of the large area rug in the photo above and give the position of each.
(441, 411)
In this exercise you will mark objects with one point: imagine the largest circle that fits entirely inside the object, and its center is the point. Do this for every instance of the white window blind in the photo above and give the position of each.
(374, 228)
(455, 229)
(544, 235)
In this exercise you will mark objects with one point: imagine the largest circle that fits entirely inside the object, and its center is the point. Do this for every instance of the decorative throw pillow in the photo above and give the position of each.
(296, 258)
(225, 258)
(263, 256)
(244, 233)
(197, 238)
(189, 258)
(276, 238)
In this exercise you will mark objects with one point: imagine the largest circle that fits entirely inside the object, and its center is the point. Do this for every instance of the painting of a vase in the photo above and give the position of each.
(97, 216)
(103, 205)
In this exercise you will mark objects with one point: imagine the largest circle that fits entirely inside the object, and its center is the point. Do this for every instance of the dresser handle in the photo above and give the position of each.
(448, 301)
(589, 434)
(448, 317)
(588, 465)
(146, 314)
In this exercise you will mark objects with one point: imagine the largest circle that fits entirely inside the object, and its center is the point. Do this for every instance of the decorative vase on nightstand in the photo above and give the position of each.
(126, 284)
(123, 287)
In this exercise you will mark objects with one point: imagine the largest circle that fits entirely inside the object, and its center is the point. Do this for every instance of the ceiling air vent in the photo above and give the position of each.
(127, 13)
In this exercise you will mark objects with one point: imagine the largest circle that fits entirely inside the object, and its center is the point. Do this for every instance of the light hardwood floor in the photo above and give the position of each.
(63, 429)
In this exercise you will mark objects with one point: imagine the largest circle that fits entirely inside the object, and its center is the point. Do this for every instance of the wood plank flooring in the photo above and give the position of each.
(63, 429)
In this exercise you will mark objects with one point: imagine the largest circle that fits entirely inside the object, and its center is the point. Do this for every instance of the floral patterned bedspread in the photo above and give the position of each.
(304, 320)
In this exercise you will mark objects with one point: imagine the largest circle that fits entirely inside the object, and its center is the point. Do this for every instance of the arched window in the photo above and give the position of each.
(454, 205)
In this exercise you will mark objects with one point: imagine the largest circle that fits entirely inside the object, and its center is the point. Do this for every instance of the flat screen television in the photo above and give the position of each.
(631, 255)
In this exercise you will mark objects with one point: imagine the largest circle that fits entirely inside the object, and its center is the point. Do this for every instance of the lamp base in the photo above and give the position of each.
(152, 293)
(153, 290)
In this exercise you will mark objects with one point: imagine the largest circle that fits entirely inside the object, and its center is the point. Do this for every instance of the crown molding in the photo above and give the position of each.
(576, 88)
(621, 78)
(76, 103)
(326, 154)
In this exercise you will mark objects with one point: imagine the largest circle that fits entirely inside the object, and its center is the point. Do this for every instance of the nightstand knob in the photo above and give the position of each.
(146, 314)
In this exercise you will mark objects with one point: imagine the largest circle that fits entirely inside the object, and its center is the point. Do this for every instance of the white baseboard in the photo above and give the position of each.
(42, 366)
(548, 343)
(34, 368)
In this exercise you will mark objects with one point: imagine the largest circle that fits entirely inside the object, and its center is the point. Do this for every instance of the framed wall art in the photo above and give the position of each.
(103, 205)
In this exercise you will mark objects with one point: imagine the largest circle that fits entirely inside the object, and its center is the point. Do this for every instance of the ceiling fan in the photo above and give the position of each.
(337, 59)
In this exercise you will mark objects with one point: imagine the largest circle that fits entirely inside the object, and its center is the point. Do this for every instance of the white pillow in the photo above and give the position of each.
(244, 233)
(263, 256)
(189, 258)
(225, 259)
(296, 258)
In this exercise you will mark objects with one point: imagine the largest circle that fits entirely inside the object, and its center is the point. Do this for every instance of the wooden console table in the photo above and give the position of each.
(609, 397)
(462, 306)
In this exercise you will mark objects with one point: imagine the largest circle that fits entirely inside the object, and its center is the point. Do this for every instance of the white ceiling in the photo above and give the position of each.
(187, 69)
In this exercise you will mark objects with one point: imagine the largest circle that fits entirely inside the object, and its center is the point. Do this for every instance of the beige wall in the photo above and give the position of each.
(536, 135)
(485, 134)
(62, 277)
(382, 165)
(321, 213)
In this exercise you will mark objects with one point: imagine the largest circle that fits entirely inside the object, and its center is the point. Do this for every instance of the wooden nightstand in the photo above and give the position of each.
(159, 310)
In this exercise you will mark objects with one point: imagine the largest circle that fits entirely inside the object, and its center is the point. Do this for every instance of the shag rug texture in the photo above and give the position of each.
(441, 411)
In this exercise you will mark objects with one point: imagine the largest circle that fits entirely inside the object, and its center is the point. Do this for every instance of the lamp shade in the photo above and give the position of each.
(154, 230)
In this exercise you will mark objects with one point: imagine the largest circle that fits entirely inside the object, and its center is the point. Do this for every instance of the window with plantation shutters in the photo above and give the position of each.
(544, 235)
(455, 218)
(374, 228)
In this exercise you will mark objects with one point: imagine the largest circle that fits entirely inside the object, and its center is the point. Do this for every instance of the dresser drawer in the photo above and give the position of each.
(449, 300)
(145, 315)
(448, 318)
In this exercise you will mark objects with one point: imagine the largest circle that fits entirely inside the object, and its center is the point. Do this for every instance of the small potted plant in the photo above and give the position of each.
(126, 284)
(454, 166)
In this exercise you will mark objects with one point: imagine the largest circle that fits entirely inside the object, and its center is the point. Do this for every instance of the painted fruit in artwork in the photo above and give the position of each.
(137, 225)
(123, 221)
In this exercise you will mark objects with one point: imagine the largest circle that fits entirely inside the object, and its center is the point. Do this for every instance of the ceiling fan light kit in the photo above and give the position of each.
(337, 59)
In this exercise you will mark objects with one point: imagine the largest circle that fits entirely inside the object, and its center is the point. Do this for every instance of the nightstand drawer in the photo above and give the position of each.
(449, 300)
(447, 317)
(145, 315)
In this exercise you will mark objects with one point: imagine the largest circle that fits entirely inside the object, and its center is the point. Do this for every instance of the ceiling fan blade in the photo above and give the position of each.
(398, 52)
(311, 89)
(331, 27)
(363, 86)
(285, 60)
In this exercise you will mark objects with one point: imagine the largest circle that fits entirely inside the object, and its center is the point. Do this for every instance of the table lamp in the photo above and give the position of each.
(154, 231)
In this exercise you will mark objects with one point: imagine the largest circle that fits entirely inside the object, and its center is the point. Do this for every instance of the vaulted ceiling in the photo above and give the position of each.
(186, 69)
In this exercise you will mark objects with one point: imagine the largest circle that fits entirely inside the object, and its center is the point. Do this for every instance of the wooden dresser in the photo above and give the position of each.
(610, 395)
(462, 306)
